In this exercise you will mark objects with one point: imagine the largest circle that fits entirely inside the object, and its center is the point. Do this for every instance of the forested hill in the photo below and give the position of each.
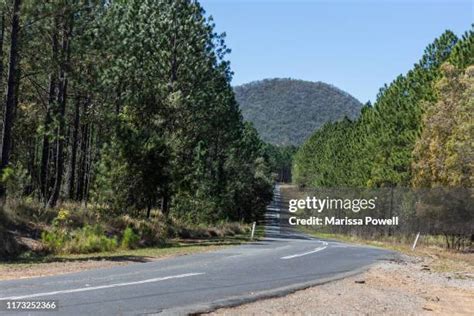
(287, 111)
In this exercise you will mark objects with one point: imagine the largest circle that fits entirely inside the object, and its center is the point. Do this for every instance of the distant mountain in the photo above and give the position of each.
(287, 111)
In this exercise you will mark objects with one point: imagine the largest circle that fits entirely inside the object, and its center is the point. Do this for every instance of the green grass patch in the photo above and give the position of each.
(87, 239)
(259, 232)
(174, 247)
(130, 239)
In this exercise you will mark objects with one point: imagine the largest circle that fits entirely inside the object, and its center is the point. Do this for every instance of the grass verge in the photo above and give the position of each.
(173, 247)
(441, 260)
(31, 265)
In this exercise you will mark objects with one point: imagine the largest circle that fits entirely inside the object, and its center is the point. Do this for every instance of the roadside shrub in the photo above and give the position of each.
(79, 216)
(54, 240)
(90, 239)
(233, 228)
(151, 232)
(84, 240)
(195, 232)
(185, 230)
(62, 219)
(130, 240)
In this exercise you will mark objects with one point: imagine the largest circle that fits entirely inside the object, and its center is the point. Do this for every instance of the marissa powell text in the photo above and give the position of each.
(320, 221)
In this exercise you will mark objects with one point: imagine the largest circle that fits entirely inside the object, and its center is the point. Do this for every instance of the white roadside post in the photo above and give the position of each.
(416, 240)
(253, 230)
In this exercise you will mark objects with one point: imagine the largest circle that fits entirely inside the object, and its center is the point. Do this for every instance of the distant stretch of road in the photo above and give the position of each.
(282, 262)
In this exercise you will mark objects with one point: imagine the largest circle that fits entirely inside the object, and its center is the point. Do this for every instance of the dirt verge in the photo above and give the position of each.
(22, 271)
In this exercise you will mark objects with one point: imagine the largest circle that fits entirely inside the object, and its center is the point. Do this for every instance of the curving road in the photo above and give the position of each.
(281, 263)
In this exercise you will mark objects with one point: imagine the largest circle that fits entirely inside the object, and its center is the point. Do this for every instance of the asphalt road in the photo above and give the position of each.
(283, 262)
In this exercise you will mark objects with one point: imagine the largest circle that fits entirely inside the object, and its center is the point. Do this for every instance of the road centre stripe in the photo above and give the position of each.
(325, 245)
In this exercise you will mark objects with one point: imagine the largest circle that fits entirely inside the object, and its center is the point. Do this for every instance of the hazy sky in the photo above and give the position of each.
(355, 45)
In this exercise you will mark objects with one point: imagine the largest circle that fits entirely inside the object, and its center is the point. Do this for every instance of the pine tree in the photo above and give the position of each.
(11, 91)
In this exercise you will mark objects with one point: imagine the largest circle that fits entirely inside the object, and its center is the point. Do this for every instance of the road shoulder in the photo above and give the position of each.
(64, 264)
(403, 286)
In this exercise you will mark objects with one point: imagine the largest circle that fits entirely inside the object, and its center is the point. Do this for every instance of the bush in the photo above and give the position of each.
(84, 240)
(233, 228)
(130, 240)
(90, 239)
(183, 229)
(54, 240)
(151, 232)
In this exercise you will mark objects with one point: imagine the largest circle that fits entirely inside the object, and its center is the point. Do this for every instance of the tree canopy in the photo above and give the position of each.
(126, 105)
(406, 134)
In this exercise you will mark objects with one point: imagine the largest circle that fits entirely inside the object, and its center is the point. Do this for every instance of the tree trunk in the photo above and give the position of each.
(44, 169)
(72, 161)
(62, 99)
(9, 110)
(81, 181)
(148, 211)
(165, 204)
(59, 147)
(2, 35)
(89, 164)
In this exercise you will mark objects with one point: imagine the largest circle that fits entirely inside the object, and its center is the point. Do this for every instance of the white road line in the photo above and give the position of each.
(269, 208)
(325, 245)
(100, 287)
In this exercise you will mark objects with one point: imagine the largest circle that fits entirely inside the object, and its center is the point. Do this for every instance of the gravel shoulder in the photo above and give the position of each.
(407, 286)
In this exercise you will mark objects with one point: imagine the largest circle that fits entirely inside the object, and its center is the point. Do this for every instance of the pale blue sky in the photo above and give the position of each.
(356, 45)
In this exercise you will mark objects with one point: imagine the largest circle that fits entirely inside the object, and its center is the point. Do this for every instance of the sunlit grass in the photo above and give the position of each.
(170, 249)
(443, 260)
